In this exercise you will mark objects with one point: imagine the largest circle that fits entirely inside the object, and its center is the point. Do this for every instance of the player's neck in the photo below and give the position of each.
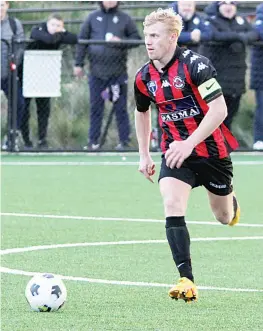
(159, 64)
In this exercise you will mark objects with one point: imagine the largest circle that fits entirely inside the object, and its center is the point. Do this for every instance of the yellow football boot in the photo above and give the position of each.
(236, 217)
(185, 290)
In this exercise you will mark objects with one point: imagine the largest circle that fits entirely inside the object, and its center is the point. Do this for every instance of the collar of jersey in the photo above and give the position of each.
(176, 55)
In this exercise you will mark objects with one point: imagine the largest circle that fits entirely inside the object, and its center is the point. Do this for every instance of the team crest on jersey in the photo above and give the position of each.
(152, 86)
(178, 82)
(240, 20)
(115, 19)
(196, 20)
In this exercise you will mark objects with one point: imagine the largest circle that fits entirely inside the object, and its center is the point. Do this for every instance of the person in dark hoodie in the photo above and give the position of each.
(257, 81)
(233, 33)
(108, 68)
(195, 28)
(47, 36)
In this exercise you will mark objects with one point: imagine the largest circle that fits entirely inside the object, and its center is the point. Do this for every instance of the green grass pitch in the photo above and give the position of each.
(76, 187)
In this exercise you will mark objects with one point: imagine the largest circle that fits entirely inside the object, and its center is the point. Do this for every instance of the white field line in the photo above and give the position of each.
(115, 282)
(114, 154)
(126, 283)
(112, 243)
(92, 218)
(99, 163)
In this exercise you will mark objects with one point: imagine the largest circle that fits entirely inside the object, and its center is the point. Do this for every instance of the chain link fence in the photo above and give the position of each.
(92, 113)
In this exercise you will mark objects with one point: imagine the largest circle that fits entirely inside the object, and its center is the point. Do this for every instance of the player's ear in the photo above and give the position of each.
(173, 37)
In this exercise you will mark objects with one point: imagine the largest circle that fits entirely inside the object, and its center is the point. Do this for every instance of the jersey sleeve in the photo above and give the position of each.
(203, 75)
(141, 95)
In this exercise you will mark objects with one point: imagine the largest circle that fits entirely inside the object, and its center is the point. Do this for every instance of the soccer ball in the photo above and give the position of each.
(45, 293)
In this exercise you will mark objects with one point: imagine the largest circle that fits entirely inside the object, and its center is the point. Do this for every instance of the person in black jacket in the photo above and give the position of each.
(108, 67)
(233, 33)
(195, 28)
(11, 28)
(47, 36)
(257, 81)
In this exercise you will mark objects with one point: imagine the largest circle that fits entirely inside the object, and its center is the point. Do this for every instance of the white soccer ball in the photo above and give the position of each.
(45, 293)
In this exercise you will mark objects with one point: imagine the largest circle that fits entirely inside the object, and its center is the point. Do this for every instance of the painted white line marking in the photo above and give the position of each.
(114, 154)
(71, 163)
(116, 282)
(112, 243)
(121, 219)
(99, 163)
(127, 283)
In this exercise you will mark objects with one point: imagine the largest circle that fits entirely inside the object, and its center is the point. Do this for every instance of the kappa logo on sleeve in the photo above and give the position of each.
(194, 57)
(186, 53)
(201, 66)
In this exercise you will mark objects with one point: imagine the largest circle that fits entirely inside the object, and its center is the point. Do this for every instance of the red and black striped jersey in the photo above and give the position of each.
(181, 93)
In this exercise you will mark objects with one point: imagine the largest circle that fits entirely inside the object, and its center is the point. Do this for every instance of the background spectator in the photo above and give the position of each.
(108, 67)
(195, 28)
(257, 81)
(10, 27)
(47, 36)
(229, 57)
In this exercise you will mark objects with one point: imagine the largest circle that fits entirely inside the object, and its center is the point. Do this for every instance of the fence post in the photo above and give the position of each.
(13, 96)
(9, 99)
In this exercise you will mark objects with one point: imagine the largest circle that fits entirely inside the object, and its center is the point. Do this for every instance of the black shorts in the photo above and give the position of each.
(214, 174)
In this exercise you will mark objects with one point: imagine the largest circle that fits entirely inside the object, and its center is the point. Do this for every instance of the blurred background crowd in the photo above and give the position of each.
(102, 48)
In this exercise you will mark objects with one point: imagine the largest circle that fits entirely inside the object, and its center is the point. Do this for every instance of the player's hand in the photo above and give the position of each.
(196, 35)
(78, 72)
(147, 167)
(176, 154)
(115, 38)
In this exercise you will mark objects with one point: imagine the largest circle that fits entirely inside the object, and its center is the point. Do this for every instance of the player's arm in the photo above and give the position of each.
(211, 92)
(143, 128)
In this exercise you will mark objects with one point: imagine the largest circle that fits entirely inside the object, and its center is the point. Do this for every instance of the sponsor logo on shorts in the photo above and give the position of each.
(219, 186)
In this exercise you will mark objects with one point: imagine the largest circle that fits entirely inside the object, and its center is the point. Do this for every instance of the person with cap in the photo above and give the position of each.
(233, 33)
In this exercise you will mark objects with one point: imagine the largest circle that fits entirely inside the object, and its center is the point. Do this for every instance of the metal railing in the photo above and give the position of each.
(12, 99)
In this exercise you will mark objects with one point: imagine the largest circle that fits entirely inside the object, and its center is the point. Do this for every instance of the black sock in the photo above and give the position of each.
(179, 241)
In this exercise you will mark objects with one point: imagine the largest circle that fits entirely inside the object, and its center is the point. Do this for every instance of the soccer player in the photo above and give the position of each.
(195, 143)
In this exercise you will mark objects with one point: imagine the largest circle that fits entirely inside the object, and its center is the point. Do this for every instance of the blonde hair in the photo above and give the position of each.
(173, 20)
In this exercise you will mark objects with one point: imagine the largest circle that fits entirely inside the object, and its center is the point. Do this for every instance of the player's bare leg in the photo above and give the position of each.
(175, 195)
(225, 208)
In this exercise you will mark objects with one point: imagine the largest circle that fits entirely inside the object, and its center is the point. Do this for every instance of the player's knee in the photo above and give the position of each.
(174, 206)
(223, 216)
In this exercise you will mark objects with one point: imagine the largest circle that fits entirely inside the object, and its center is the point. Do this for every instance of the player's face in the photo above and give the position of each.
(228, 9)
(54, 26)
(186, 9)
(109, 4)
(158, 40)
(4, 7)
